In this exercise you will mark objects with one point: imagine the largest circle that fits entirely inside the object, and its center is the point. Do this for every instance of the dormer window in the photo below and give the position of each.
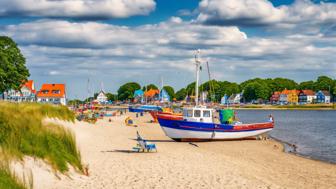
(56, 91)
(45, 91)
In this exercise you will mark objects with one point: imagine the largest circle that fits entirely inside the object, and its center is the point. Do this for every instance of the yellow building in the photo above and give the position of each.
(292, 96)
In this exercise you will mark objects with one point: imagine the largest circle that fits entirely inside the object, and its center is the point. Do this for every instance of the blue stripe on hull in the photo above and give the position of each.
(199, 126)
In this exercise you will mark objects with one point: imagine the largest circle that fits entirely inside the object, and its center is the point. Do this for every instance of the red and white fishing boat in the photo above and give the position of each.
(198, 123)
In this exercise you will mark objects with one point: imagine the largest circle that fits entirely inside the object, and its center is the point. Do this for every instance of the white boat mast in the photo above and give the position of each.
(198, 64)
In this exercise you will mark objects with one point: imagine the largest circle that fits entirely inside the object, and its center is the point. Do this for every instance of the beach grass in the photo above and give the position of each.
(8, 179)
(24, 133)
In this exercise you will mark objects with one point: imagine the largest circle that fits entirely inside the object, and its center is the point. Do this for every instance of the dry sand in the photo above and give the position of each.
(227, 164)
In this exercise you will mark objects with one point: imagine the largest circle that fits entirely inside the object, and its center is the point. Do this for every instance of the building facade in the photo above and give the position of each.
(102, 98)
(275, 98)
(52, 93)
(322, 97)
(292, 97)
(27, 93)
(306, 96)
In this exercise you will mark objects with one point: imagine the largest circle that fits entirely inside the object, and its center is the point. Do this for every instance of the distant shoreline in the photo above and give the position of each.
(287, 107)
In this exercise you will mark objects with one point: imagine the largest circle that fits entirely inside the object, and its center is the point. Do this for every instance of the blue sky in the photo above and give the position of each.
(114, 42)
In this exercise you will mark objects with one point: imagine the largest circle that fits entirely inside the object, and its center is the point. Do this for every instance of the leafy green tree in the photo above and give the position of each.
(211, 87)
(307, 85)
(170, 91)
(324, 83)
(111, 97)
(181, 94)
(126, 91)
(280, 84)
(149, 87)
(13, 71)
(334, 92)
(255, 91)
(190, 89)
(227, 88)
(89, 99)
(95, 95)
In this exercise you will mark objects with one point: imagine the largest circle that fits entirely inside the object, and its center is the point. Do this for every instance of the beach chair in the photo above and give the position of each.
(143, 145)
(129, 122)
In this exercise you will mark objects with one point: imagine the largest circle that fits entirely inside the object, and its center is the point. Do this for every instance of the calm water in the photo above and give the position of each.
(313, 132)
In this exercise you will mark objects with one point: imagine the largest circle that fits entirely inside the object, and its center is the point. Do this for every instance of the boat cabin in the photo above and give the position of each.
(198, 114)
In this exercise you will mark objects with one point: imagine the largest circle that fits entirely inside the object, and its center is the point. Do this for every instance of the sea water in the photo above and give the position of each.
(313, 132)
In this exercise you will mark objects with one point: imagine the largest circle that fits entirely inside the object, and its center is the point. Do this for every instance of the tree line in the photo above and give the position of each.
(253, 89)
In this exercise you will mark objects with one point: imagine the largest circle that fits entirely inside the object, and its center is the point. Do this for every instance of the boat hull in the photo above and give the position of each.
(187, 130)
(196, 135)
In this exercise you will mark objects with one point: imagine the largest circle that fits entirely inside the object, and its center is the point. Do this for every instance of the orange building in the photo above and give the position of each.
(52, 93)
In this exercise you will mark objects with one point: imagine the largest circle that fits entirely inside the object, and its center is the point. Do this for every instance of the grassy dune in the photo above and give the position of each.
(9, 180)
(23, 133)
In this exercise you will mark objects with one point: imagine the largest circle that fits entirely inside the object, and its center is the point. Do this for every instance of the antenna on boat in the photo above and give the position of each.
(198, 64)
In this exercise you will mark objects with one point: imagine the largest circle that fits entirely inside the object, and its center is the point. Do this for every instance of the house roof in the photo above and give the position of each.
(30, 85)
(152, 92)
(308, 92)
(48, 90)
(276, 93)
(286, 92)
(101, 91)
(326, 93)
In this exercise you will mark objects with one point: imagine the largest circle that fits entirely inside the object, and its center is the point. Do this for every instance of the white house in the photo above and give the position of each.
(326, 97)
(52, 93)
(102, 98)
(235, 98)
(27, 93)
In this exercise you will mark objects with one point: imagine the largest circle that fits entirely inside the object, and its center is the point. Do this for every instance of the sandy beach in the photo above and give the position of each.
(105, 149)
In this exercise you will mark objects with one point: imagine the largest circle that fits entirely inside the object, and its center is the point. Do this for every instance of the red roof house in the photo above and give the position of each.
(52, 93)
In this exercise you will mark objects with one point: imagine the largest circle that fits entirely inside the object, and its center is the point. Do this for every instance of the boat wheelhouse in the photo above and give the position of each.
(198, 114)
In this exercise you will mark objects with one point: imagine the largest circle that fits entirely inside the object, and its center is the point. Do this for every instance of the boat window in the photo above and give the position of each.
(187, 113)
(197, 113)
(206, 113)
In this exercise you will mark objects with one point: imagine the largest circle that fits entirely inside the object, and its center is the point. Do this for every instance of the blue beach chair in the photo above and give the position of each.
(143, 145)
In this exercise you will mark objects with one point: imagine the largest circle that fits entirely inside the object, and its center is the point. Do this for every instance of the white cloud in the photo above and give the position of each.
(249, 12)
(263, 13)
(62, 50)
(77, 8)
(99, 35)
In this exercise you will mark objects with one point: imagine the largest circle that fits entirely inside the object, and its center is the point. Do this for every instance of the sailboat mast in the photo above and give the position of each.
(198, 64)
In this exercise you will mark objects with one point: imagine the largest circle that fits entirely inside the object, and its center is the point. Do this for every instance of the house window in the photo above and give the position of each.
(206, 113)
(45, 91)
(56, 91)
(197, 113)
